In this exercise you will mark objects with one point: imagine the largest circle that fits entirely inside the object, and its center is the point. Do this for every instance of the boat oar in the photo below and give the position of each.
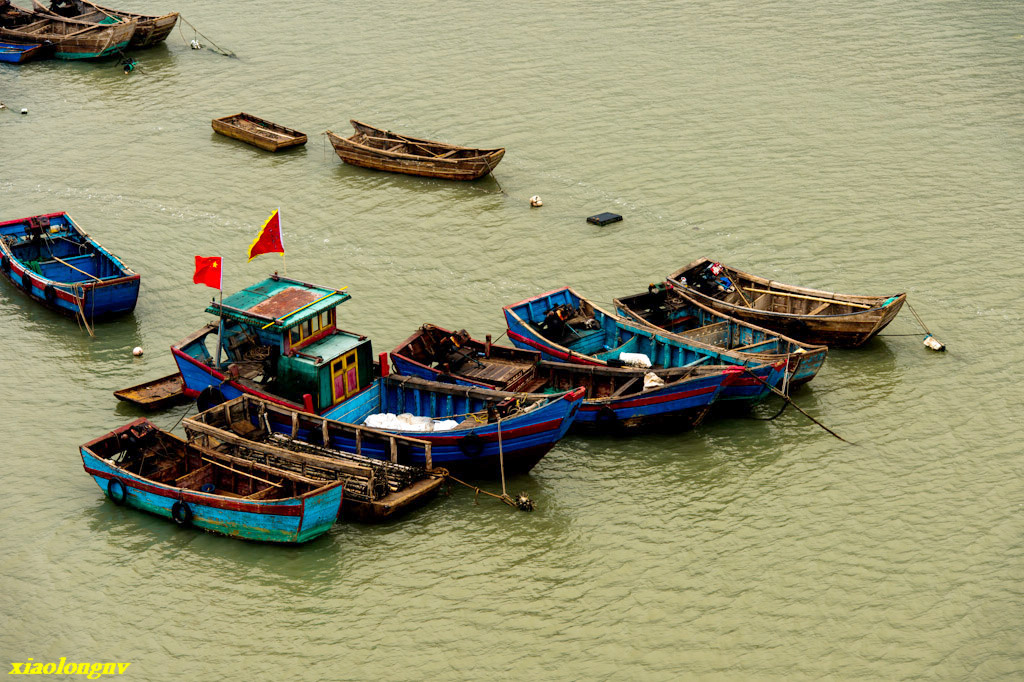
(739, 289)
(809, 298)
(244, 473)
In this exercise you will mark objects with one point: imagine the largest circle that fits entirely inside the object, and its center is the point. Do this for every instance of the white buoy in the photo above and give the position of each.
(24, 111)
(535, 201)
(933, 343)
(195, 44)
(137, 351)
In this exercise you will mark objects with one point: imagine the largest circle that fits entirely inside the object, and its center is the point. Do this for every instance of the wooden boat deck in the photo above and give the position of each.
(258, 132)
(155, 394)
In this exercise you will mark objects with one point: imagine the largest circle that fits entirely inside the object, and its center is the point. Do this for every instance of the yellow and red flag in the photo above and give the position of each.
(208, 271)
(269, 238)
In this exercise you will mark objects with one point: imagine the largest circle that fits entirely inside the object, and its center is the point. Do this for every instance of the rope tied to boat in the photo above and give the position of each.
(929, 340)
(522, 501)
(795, 406)
(196, 45)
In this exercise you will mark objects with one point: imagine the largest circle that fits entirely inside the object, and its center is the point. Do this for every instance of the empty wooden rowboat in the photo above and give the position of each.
(141, 466)
(156, 394)
(384, 150)
(258, 132)
(808, 315)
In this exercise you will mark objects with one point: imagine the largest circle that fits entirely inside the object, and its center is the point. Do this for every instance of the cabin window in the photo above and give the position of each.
(311, 326)
(295, 336)
(307, 329)
(325, 319)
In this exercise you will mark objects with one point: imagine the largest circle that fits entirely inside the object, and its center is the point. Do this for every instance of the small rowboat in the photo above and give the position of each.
(150, 30)
(140, 466)
(808, 315)
(663, 308)
(380, 149)
(19, 53)
(72, 39)
(54, 261)
(157, 394)
(617, 399)
(258, 132)
(375, 490)
(489, 425)
(565, 327)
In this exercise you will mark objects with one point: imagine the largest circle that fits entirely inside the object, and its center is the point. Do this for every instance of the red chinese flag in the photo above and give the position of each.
(208, 271)
(269, 238)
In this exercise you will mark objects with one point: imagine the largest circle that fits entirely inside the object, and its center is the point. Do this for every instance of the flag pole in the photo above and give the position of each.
(220, 325)
(280, 236)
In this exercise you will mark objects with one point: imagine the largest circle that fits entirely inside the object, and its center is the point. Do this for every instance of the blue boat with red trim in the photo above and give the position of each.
(565, 327)
(50, 258)
(487, 429)
(279, 340)
(617, 399)
(140, 466)
(19, 53)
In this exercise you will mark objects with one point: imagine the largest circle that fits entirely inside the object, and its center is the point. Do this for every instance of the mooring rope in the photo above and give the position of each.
(797, 407)
(218, 49)
(523, 502)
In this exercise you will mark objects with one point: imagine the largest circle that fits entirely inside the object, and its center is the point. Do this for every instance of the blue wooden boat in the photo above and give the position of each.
(521, 428)
(278, 340)
(140, 466)
(664, 308)
(617, 399)
(53, 260)
(19, 53)
(565, 327)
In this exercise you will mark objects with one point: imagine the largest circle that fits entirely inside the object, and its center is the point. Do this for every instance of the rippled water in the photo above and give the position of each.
(870, 147)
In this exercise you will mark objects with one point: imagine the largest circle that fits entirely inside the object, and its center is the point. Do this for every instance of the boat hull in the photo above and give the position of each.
(96, 286)
(258, 132)
(292, 521)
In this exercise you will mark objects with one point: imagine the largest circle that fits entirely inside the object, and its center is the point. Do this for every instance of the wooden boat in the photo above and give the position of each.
(565, 327)
(380, 149)
(808, 315)
(53, 260)
(19, 53)
(375, 490)
(156, 394)
(150, 30)
(486, 426)
(663, 308)
(617, 399)
(259, 132)
(140, 466)
(71, 39)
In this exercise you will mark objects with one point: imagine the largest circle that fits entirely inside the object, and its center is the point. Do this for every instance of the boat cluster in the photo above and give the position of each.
(301, 423)
(76, 29)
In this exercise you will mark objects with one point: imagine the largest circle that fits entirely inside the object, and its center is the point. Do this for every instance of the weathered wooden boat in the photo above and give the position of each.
(150, 29)
(258, 132)
(19, 53)
(380, 149)
(617, 399)
(156, 394)
(375, 490)
(665, 309)
(472, 431)
(808, 315)
(71, 39)
(278, 340)
(53, 260)
(140, 466)
(565, 327)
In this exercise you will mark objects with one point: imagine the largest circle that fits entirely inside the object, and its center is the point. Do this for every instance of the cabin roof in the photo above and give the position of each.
(279, 301)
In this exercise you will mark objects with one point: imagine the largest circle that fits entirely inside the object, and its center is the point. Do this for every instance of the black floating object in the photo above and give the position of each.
(604, 218)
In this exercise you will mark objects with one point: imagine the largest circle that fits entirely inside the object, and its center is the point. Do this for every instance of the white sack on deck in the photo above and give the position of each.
(635, 359)
(652, 380)
(407, 422)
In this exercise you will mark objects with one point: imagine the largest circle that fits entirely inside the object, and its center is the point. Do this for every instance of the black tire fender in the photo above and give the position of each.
(606, 416)
(115, 497)
(50, 292)
(181, 513)
(471, 445)
(211, 396)
(26, 282)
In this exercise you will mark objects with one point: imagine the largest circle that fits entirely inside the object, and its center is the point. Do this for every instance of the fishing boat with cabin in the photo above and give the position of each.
(565, 327)
(663, 308)
(50, 258)
(808, 315)
(143, 467)
(380, 149)
(71, 39)
(150, 29)
(617, 399)
(375, 489)
(279, 340)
